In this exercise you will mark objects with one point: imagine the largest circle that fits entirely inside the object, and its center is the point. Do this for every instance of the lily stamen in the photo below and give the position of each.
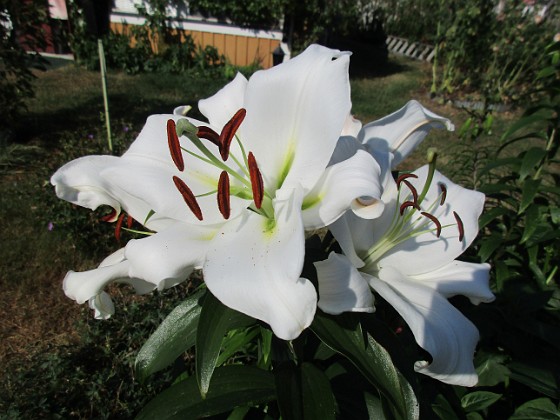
(405, 205)
(175, 145)
(223, 195)
(118, 227)
(443, 190)
(188, 196)
(207, 133)
(413, 191)
(460, 226)
(228, 132)
(257, 183)
(402, 177)
(435, 220)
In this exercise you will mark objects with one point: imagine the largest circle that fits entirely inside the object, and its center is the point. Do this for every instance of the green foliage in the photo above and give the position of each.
(20, 31)
(517, 360)
(93, 378)
(259, 14)
(152, 47)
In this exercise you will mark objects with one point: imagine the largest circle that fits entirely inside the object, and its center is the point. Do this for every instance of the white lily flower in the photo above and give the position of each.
(408, 255)
(235, 204)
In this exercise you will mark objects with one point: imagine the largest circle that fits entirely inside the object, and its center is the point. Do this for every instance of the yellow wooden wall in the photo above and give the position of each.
(238, 50)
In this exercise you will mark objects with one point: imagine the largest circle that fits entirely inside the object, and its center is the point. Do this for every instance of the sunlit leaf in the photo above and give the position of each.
(216, 320)
(529, 191)
(174, 336)
(232, 386)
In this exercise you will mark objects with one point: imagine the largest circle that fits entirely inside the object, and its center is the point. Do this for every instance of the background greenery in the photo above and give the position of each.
(59, 362)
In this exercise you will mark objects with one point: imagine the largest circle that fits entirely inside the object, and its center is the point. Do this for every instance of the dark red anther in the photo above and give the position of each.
(435, 220)
(407, 204)
(228, 132)
(443, 189)
(174, 145)
(413, 191)
(257, 183)
(402, 177)
(118, 227)
(208, 134)
(109, 217)
(460, 226)
(188, 196)
(223, 195)
(129, 221)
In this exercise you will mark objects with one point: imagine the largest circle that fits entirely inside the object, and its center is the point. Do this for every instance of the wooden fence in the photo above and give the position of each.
(240, 46)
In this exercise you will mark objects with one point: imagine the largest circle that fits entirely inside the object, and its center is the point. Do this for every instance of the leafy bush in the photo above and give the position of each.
(20, 31)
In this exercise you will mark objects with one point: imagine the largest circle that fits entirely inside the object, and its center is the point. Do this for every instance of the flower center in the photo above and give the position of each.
(412, 216)
(250, 178)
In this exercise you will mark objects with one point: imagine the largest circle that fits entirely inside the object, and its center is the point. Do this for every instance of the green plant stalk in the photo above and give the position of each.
(103, 69)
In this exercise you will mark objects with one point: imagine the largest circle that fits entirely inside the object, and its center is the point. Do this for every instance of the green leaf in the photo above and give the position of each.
(287, 378)
(539, 409)
(174, 336)
(540, 378)
(531, 222)
(524, 122)
(474, 416)
(492, 371)
(318, 398)
(232, 386)
(344, 334)
(236, 340)
(216, 320)
(530, 159)
(443, 409)
(488, 245)
(479, 400)
(490, 215)
(529, 191)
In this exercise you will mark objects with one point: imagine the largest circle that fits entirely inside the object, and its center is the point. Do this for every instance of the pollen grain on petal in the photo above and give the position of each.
(223, 195)
(435, 220)
(228, 132)
(460, 226)
(174, 145)
(188, 196)
(208, 134)
(257, 183)
(443, 189)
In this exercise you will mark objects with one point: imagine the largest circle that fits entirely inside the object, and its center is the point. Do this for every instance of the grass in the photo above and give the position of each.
(64, 122)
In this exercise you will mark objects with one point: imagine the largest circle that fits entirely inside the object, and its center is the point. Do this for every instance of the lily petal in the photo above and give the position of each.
(159, 261)
(438, 327)
(342, 287)
(79, 182)
(254, 267)
(220, 107)
(460, 278)
(425, 253)
(402, 130)
(289, 127)
(351, 181)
